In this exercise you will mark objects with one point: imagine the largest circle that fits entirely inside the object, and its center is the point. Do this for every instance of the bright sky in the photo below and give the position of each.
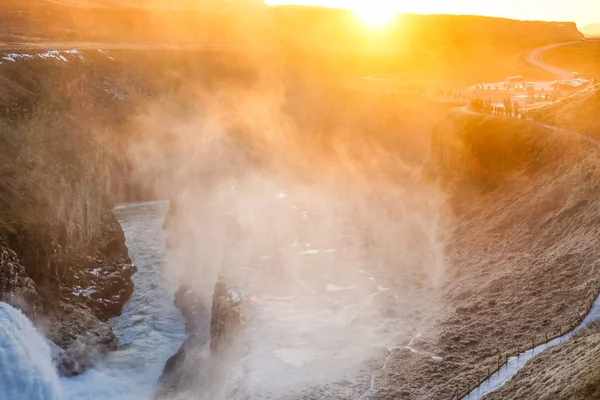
(581, 11)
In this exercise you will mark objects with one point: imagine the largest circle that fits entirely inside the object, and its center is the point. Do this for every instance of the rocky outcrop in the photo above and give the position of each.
(227, 320)
(16, 288)
(83, 337)
(196, 311)
(63, 258)
(73, 307)
(191, 367)
(204, 359)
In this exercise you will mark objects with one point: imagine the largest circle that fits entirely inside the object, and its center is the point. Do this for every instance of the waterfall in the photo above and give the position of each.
(26, 369)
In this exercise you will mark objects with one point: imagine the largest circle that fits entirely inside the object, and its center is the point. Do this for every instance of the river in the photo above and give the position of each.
(150, 329)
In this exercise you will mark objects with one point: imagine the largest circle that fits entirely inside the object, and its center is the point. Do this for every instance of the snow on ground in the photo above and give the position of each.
(60, 55)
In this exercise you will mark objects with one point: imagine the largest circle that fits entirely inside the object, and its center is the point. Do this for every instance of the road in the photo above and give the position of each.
(535, 57)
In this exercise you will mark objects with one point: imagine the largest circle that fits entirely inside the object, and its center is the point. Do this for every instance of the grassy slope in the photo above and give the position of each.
(522, 259)
(570, 370)
(454, 49)
(579, 57)
(579, 112)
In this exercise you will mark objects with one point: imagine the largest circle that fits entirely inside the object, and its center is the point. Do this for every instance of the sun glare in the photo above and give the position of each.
(375, 16)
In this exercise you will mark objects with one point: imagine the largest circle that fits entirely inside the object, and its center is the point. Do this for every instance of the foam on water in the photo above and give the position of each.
(26, 370)
(149, 330)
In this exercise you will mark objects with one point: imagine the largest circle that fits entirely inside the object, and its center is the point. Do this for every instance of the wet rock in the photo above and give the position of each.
(70, 295)
(83, 338)
(195, 310)
(16, 288)
(187, 368)
(227, 317)
(60, 358)
(214, 345)
(110, 290)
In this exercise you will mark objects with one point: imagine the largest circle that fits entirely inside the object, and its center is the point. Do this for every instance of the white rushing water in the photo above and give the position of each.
(149, 331)
(26, 370)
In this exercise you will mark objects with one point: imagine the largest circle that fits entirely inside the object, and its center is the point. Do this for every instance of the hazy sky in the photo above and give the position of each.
(581, 11)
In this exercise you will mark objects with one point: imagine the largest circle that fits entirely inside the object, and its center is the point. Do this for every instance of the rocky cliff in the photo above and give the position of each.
(63, 256)
(203, 363)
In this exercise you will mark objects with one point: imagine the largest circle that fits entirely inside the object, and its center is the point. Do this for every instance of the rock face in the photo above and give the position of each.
(196, 311)
(63, 259)
(82, 336)
(227, 320)
(200, 366)
(73, 305)
(15, 287)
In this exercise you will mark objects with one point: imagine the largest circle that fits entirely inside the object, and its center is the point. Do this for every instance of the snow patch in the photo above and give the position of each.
(78, 291)
(60, 55)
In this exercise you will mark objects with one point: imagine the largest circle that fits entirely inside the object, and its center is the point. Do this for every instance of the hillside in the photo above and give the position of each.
(578, 57)
(519, 258)
(513, 201)
(449, 239)
(568, 371)
(427, 47)
(591, 30)
(578, 112)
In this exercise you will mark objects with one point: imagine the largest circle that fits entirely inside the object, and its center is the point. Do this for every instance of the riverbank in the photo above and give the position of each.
(149, 329)
(521, 258)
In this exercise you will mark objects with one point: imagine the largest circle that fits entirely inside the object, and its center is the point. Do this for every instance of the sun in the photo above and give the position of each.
(375, 16)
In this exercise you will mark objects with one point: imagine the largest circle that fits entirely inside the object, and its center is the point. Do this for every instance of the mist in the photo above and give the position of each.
(335, 237)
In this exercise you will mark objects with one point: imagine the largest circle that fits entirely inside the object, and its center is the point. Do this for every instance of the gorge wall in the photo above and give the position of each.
(64, 260)
(83, 130)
